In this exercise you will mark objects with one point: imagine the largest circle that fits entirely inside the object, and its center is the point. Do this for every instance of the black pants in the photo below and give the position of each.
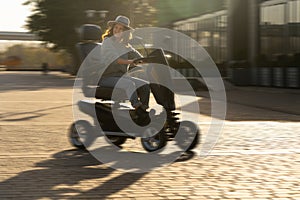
(163, 96)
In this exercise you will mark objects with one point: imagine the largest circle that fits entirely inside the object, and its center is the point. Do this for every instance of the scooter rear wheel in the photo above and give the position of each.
(189, 135)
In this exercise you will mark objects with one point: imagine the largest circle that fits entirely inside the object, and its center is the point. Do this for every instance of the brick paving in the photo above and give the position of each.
(257, 155)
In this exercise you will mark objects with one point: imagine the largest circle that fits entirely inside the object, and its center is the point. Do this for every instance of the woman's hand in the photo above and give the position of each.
(122, 61)
(138, 61)
(132, 63)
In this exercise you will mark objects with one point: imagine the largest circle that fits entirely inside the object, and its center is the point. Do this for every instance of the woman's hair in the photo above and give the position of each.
(108, 33)
(127, 35)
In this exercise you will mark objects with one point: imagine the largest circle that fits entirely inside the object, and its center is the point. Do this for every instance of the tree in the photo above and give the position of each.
(143, 13)
(172, 10)
(33, 56)
(56, 21)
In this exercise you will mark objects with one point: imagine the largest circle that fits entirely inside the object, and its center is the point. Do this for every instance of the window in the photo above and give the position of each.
(294, 11)
(280, 27)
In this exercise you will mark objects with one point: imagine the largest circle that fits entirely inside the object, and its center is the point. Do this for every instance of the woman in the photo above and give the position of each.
(118, 54)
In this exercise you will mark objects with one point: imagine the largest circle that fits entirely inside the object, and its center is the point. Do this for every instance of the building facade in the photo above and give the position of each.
(258, 41)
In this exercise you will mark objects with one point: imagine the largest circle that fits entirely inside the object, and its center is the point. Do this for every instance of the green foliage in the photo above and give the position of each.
(172, 10)
(57, 21)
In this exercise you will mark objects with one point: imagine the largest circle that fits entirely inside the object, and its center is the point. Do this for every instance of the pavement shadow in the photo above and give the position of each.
(28, 115)
(24, 81)
(58, 177)
(185, 156)
(55, 177)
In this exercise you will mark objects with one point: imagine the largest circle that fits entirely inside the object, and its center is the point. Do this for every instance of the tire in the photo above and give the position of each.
(189, 135)
(195, 142)
(77, 140)
(155, 142)
(116, 140)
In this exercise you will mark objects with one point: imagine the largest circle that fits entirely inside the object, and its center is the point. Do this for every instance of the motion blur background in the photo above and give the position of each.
(253, 42)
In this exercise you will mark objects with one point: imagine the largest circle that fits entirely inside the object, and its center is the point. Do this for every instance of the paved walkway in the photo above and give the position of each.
(256, 157)
(279, 100)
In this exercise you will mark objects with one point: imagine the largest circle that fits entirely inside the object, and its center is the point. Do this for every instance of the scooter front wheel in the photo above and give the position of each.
(78, 133)
(156, 141)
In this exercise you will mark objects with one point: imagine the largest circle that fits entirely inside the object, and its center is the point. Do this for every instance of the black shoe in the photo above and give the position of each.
(143, 116)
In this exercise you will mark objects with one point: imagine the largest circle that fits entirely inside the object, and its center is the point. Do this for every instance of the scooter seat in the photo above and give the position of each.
(105, 93)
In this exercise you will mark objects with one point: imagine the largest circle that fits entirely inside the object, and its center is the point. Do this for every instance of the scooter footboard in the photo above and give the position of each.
(87, 107)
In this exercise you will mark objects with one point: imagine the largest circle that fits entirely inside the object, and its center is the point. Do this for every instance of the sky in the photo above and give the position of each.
(13, 15)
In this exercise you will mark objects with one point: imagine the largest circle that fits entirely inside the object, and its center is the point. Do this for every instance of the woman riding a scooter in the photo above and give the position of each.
(116, 43)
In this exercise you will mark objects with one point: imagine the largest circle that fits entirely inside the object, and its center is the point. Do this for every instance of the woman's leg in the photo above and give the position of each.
(142, 88)
(130, 85)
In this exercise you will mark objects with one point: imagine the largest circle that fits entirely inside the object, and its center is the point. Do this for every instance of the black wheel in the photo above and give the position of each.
(189, 135)
(156, 141)
(78, 133)
(116, 140)
(195, 141)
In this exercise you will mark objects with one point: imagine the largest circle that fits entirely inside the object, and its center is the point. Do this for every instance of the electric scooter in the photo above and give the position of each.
(102, 110)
